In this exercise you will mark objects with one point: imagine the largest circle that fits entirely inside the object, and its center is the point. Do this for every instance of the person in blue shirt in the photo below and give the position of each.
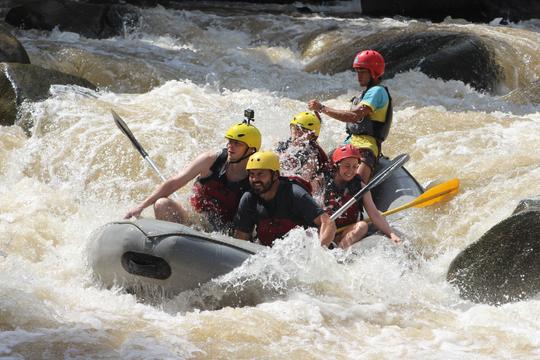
(370, 116)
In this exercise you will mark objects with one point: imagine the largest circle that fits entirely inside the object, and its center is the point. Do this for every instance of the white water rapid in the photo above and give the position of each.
(180, 80)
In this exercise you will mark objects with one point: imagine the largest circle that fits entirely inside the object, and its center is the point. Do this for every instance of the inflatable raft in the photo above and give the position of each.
(175, 258)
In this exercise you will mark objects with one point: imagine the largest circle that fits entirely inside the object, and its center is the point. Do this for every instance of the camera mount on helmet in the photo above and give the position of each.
(249, 116)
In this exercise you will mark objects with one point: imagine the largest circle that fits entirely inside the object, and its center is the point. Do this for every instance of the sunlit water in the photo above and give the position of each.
(180, 80)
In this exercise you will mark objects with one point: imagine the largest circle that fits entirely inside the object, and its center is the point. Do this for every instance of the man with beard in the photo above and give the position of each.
(222, 179)
(276, 204)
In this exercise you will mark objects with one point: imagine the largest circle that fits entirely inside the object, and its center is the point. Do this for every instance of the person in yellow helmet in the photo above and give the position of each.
(277, 204)
(221, 181)
(301, 154)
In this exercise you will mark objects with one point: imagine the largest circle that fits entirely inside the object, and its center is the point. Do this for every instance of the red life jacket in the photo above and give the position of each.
(216, 195)
(272, 226)
(335, 198)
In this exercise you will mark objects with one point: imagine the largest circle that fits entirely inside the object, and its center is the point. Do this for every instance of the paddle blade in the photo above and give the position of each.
(438, 193)
(125, 129)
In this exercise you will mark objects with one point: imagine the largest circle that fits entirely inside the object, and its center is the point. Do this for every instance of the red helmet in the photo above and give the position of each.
(371, 60)
(344, 152)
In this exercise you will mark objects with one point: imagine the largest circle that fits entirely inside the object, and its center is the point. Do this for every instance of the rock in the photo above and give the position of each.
(439, 54)
(531, 204)
(504, 264)
(89, 20)
(472, 10)
(141, 3)
(445, 55)
(19, 82)
(11, 49)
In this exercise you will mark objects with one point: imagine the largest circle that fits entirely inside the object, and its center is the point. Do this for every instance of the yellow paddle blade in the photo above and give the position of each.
(438, 193)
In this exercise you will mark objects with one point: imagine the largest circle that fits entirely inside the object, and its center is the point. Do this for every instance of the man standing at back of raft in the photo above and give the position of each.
(222, 179)
(370, 116)
(276, 204)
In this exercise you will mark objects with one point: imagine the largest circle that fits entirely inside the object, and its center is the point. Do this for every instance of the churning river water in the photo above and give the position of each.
(179, 80)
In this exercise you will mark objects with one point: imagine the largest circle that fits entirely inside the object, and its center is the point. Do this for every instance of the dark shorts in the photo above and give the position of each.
(368, 158)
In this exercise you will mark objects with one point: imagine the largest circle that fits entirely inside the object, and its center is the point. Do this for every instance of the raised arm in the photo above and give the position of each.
(200, 166)
(345, 116)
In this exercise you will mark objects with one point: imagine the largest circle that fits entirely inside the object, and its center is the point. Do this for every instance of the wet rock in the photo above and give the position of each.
(439, 54)
(11, 49)
(20, 82)
(531, 204)
(472, 10)
(504, 264)
(89, 20)
(141, 3)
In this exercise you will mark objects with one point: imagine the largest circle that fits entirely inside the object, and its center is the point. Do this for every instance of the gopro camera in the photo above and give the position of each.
(249, 115)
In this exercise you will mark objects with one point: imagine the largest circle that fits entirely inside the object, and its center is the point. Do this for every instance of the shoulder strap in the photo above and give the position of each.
(218, 165)
(300, 181)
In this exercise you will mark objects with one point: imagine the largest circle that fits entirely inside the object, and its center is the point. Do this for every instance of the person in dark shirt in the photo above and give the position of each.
(276, 204)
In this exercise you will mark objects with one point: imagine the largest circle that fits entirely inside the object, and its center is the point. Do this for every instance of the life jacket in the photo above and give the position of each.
(272, 225)
(335, 198)
(366, 126)
(215, 194)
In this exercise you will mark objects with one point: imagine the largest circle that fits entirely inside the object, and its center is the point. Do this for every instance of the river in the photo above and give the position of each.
(179, 80)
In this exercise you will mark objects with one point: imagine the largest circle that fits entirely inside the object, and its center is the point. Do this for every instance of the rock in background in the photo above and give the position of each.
(439, 54)
(20, 82)
(90, 20)
(504, 264)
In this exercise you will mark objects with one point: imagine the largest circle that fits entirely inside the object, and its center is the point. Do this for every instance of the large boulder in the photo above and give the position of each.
(504, 264)
(439, 54)
(472, 10)
(90, 20)
(20, 82)
(11, 49)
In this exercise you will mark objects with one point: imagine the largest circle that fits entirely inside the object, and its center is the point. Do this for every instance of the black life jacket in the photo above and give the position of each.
(335, 198)
(215, 194)
(276, 223)
(366, 126)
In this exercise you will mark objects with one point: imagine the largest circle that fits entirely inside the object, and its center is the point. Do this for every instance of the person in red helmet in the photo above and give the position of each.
(370, 115)
(342, 183)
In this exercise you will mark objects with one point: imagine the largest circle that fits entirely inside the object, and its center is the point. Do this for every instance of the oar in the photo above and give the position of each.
(125, 129)
(436, 194)
(380, 177)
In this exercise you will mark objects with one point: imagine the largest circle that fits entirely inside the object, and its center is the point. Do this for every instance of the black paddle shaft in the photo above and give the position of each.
(124, 128)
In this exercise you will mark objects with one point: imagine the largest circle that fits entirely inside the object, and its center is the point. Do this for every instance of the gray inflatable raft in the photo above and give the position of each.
(151, 253)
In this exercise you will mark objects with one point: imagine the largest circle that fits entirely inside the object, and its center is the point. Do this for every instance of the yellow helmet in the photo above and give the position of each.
(248, 134)
(263, 160)
(308, 121)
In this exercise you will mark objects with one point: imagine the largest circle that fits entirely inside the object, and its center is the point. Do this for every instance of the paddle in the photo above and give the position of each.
(380, 177)
(436, 194)
(125, 129)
